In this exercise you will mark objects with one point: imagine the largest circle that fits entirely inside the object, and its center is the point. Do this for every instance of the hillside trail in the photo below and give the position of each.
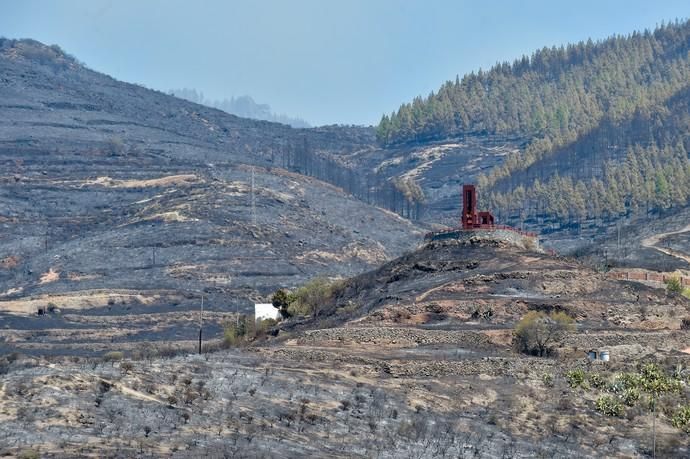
(652, 242)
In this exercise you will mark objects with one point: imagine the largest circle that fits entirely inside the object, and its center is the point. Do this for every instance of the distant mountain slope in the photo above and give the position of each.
(589, 132)
(635, 165)
(111, 186)
(243, 106)
(556, 94)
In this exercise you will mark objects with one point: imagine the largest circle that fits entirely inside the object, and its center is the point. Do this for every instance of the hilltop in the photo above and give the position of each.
(570, 139)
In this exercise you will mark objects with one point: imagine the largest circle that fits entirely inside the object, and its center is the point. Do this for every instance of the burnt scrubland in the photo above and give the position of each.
(415, 359)
(122, 207)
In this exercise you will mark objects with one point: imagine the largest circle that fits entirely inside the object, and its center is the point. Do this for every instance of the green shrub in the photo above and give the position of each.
(576, 378)
(245, 329)
(230, 337)
(655, 381)
(262, 326)
(281, 301)
(623, 382)
(674, 285)
(597, 381)
(537, 331)
(349, 308)
(681, 419)
(312, 297)
(234, 332)
(547, 379)
(631, 396)
(609, 406)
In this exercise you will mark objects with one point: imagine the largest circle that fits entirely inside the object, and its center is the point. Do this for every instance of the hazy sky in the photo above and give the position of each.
(328, 61)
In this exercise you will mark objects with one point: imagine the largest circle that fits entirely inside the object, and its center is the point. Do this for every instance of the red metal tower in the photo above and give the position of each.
(469, 207)
(470, 217)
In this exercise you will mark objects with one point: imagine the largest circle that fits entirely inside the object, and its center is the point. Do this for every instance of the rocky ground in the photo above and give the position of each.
(490, 283)
(159, 247)
(422, 366)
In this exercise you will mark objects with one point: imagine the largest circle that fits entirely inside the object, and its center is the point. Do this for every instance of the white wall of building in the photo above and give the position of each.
(263, 311)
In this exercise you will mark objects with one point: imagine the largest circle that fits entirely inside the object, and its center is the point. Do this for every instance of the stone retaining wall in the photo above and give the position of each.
(511, 237)
(406, 336)
(648, 276)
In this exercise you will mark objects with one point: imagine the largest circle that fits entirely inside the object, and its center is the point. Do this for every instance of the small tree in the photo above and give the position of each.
(312, 297)
(236, 332)
(537, 332)
(281, 301)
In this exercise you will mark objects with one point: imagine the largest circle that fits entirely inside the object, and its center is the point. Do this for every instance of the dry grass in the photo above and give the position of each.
(374, 255)
(170, 217)
(9, 262)
(171, 180)
(50, 276)
(76, 277)
(84, 299)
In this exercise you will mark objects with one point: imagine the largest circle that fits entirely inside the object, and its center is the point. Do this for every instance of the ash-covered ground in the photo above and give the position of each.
(118, 201)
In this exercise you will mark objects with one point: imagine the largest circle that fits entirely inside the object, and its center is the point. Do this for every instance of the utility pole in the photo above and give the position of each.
(654, 425)
(253, 200)
(606, 259)
(201, 321)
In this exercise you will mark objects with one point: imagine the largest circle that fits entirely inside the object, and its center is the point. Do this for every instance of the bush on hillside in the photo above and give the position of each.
(245, 329)
(312, 297)
(113, 356)
(674, 285)
(609, 406)
(681, 419)
(281, 301)
(537, 332)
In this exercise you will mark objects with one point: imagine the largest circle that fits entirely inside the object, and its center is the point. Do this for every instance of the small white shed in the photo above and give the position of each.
(263, 311)
(599, 354)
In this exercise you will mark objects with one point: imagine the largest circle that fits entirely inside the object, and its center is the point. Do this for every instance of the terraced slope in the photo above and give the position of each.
(119, 200)
(482, 283)
(413, 359)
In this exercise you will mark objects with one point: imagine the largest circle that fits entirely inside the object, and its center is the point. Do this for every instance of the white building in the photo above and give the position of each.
(263, 311)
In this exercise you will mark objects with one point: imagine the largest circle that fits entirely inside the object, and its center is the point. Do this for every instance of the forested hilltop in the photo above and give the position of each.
(610, 116)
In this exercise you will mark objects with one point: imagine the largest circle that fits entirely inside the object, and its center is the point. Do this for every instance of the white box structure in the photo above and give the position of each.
(263, 311)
